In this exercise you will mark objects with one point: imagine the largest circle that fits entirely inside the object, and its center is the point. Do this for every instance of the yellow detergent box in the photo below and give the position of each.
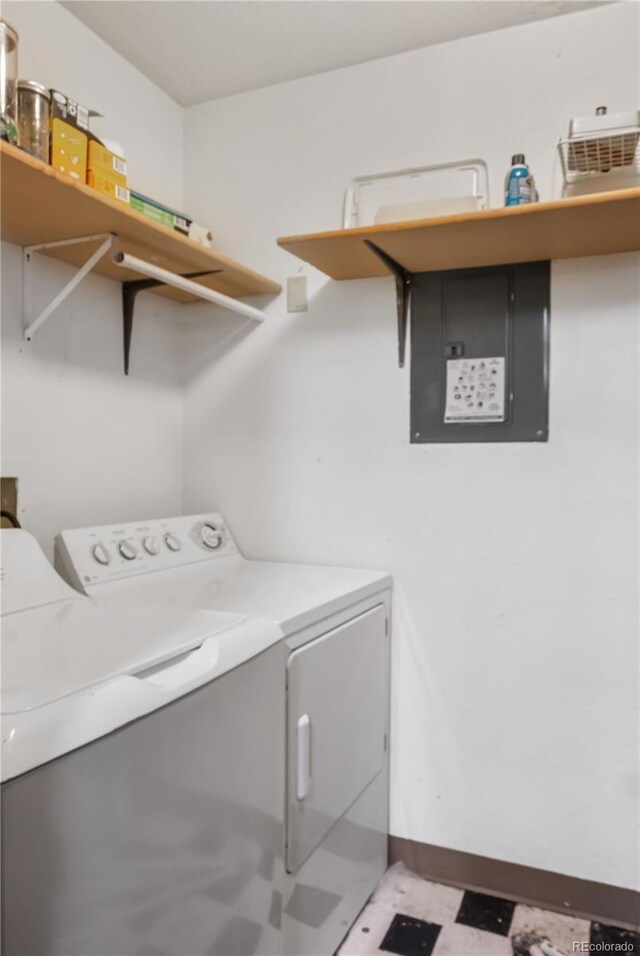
(68, 149)
(105, 184)
(101, 160)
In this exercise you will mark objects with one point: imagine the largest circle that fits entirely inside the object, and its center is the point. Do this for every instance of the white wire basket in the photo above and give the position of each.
(600, 154)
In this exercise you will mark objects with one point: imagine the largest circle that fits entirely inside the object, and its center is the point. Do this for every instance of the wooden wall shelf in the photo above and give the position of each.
(593, 225)
(41, 205)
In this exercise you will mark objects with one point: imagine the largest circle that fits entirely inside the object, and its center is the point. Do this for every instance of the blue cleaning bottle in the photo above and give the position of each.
(520, 185)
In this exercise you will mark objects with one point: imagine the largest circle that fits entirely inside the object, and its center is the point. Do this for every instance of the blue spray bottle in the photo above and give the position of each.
(520, 185)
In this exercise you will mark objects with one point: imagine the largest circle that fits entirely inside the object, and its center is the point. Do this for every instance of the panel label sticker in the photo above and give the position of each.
(475, 390)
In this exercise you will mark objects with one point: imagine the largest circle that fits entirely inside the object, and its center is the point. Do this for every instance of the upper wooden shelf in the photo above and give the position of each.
(592, 225)
(40, 204)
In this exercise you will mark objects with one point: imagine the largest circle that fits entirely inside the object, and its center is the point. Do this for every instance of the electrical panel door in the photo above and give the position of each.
(480, 354)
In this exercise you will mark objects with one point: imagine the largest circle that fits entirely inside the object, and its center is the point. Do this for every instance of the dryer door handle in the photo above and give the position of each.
(303, 757)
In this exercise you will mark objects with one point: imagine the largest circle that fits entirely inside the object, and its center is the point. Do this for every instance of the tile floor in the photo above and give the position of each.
(411, 917)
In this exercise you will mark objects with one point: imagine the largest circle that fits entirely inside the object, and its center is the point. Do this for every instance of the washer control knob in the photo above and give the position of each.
(127, 550)
(101, 553)
(210, 536)
(172, 542)
(150, 544)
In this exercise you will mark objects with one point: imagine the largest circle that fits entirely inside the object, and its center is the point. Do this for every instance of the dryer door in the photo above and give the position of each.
(336, 721)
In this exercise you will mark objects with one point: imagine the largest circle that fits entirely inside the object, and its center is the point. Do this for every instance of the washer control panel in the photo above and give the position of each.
(90, 556)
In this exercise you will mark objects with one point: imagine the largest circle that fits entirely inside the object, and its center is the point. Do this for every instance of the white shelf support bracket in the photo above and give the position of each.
(33, 323)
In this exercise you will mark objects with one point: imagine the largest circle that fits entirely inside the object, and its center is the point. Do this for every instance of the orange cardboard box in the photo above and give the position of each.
(105, 184)
(101, 160)
(68, 149)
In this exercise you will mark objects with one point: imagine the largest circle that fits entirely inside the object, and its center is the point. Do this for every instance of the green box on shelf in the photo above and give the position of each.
(159, 213)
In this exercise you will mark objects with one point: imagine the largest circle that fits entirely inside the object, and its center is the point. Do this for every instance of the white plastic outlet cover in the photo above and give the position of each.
(297, 298)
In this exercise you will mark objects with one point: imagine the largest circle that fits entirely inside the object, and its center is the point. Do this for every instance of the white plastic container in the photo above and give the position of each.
(421, 192)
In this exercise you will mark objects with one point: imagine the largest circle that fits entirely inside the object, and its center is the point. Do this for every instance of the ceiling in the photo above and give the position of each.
(197, 50)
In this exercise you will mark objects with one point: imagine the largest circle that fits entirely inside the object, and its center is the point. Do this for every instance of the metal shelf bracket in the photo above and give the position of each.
(130, 290)
(157, 276)
(32, 323)
(404, 280)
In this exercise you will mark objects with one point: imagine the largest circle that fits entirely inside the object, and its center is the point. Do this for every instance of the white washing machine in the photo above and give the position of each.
(332, 756)
(140, 793)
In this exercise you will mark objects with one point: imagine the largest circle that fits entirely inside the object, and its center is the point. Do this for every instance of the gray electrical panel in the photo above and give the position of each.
(480, 354)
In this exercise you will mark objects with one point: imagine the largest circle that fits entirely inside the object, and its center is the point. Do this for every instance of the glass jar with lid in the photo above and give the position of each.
(8, 79)
(34, 101)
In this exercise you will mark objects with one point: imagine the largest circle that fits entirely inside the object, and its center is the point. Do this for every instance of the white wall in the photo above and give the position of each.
(515, 660)
(89, 445)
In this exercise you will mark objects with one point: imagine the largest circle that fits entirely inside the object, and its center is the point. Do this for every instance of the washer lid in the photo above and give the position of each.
(34, 737)
(28, 580)
(57, 650)
(56, 642)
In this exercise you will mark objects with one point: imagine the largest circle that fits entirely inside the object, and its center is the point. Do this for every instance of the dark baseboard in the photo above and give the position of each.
(613, 905)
